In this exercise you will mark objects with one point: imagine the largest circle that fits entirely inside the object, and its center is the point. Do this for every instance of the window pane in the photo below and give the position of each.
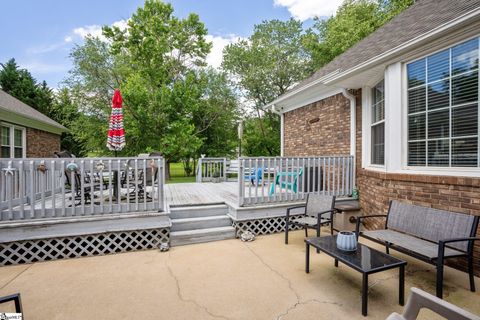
(18, 152)
(465, 88)
(464, 152)
(18, 138)
(416, 127)
(438, 124)
(438, 153)
(378, 112)
(438, 95)
(5, 152)
(5, 136)
(438, 66)
(378, 92)
(378, 144)
(416, 153)
(416, 100)
(465, 56)
(416, 73)
(465, 121)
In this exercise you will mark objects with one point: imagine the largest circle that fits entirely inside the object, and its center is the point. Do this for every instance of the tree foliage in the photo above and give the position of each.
(172, 103)
(353, 21)
(265, 66)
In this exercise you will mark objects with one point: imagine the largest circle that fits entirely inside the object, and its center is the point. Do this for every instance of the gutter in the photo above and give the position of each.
(353, 128)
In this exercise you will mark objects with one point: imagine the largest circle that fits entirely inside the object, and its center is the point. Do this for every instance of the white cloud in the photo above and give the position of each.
(215, 56)
(68, 39)
(45, 48)
(41, 67)
(95, 30)
(307, 9)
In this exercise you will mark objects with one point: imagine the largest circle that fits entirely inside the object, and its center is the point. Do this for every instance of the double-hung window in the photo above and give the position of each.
(12, 141)
(443, 108)
(378, 125)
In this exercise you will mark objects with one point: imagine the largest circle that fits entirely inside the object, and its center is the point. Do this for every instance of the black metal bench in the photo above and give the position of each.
(428, 234)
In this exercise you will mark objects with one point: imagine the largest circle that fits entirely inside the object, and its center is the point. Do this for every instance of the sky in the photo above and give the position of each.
(41, 34)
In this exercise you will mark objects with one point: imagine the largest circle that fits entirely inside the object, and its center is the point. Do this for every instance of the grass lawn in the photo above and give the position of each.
(177, 174)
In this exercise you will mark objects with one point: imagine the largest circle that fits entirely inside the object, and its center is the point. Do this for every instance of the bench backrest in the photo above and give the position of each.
(430, 224)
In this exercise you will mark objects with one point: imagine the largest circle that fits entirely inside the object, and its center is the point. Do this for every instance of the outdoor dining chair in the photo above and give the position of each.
(318, 211)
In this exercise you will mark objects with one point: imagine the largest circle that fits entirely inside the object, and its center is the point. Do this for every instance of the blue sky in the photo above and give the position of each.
(40, 34)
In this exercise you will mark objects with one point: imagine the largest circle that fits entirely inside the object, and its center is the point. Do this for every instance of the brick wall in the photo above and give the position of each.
(319, 129)
(41, 144)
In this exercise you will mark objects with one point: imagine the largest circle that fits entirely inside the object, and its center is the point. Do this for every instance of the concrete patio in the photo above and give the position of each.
(229, 279)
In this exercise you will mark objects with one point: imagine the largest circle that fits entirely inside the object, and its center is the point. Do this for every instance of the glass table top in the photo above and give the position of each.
(364, 259)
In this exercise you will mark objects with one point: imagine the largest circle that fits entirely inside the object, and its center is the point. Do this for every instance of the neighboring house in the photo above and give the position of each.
(403, 101)
(25, 132)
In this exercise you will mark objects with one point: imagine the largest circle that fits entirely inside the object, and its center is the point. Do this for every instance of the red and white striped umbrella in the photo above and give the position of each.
(116, 132)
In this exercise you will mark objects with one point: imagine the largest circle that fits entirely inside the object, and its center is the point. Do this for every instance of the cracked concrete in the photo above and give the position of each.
(264, 279)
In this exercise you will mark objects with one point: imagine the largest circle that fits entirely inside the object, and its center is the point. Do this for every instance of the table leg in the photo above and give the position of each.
(401, 286)
(364, 294)
(336, 263)
(307, 258)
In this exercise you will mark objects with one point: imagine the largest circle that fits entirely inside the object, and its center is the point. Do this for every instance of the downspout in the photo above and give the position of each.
(353, 129)
(282, 128)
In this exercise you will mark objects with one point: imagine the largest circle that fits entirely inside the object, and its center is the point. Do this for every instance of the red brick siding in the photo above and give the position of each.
(41, 144)
(330, 135)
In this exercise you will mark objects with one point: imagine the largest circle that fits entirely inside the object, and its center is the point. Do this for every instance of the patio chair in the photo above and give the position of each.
(318, 211)
(255, 177)
(136, 184)
(420, 299)
(287, 180)
(16, 300)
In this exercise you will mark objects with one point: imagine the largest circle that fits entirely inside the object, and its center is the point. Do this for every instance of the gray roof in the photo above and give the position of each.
(420, 18)
(12, 104)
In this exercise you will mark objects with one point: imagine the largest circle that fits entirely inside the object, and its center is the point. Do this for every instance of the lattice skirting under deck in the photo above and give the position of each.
(262, 226)
(28, 251)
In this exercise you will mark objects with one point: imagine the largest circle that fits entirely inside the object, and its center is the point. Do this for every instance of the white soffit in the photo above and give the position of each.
(310, 95)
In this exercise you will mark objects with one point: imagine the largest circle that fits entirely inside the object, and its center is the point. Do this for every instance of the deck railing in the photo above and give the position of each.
(287, 179)
(209, 169)
(73, 187)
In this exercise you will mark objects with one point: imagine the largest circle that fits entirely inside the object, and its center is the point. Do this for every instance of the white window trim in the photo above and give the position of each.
(12, 138)
(442, 171)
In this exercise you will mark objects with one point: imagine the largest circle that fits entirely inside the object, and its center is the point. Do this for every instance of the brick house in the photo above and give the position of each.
(403, 101)
(25, 132)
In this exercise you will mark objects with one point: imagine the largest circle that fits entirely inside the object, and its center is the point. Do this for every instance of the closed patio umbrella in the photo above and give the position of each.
(116, 132)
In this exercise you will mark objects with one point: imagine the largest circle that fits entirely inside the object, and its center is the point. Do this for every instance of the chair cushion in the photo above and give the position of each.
(425, 248)
(310, 221)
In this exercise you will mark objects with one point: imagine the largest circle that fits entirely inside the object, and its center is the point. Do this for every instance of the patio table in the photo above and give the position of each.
(365, 260)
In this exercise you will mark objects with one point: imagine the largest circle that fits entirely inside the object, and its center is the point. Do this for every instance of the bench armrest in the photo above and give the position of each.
(16, 300)
(360, 218)
(442, 243)
(294, 207)
(331, 211)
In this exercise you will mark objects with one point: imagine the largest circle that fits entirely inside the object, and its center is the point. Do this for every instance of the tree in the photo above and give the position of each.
(265, 66)
(172, 104)
(353, 21)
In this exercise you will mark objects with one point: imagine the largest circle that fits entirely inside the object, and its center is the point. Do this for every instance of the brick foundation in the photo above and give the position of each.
(41, 144)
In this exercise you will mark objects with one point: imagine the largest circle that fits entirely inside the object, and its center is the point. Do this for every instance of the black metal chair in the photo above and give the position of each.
(318, 211)
(16, 300)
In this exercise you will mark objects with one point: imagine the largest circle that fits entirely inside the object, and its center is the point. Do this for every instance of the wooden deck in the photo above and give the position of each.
(184, 194)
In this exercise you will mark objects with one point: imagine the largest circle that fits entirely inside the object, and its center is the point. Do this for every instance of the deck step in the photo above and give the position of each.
(201, 223)
(178, 238)
(198, 211)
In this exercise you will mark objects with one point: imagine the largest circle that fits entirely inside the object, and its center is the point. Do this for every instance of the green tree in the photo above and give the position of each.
(353, 21)
(265, 66)
(172, 104)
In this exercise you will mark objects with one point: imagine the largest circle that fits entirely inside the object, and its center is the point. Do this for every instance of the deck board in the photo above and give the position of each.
(179, 194)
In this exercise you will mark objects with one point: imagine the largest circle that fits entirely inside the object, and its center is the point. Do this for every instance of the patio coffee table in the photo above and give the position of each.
(365, 260)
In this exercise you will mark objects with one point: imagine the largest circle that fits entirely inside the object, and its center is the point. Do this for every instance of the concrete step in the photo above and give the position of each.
(201, 223)
(178, 238)
(198, 211)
